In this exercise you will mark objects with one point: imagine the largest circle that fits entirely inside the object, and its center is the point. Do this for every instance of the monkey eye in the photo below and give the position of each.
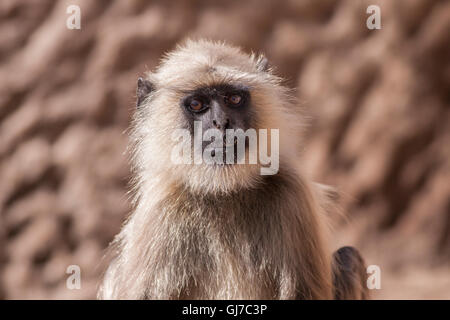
(235, 99)
(196, 105)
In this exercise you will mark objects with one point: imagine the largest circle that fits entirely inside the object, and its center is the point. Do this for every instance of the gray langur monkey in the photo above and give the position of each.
(209, 231)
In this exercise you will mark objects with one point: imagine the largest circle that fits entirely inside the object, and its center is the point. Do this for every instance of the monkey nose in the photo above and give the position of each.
(222, 125)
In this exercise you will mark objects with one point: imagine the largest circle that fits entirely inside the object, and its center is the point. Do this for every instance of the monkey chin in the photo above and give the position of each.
(221, 178)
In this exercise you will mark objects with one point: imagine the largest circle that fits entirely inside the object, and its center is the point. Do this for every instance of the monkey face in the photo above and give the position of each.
(220, 107)
(209, 86)
(225, 108)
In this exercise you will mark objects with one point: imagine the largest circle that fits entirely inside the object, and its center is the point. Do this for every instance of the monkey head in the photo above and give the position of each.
(205, 88)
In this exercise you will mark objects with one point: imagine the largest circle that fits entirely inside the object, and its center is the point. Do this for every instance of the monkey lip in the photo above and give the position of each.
(227, 148)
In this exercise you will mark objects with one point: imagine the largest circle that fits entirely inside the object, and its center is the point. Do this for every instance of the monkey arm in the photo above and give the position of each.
(349, 275)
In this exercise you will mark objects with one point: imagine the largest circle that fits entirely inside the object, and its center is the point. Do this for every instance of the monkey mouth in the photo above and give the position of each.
(227, 148)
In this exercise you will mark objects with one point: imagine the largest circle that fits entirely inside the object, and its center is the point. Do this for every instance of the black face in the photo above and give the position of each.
(219, 107)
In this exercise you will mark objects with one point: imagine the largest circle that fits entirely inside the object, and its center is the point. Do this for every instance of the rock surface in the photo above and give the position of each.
(379, 130)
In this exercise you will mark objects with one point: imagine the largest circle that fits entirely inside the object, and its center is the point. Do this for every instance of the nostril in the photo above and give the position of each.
(225, 124)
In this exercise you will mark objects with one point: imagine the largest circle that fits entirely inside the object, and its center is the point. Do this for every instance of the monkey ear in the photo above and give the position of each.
(144, 87)
(262, 64)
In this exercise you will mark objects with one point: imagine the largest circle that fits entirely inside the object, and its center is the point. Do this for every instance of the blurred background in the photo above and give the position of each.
(378, 100)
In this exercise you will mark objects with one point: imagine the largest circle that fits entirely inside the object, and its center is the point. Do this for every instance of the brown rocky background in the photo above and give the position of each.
(378, 100)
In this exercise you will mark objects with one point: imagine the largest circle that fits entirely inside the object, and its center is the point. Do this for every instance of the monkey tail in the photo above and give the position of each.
(349, 275)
